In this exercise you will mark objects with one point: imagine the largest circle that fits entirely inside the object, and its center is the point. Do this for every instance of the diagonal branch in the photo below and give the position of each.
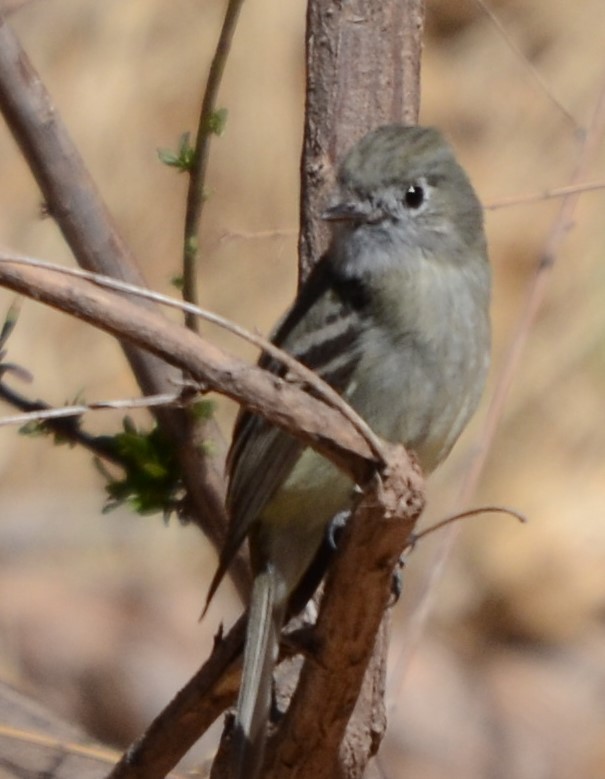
(282, 403)
(296, 369)
(191, 712)
(73, 200)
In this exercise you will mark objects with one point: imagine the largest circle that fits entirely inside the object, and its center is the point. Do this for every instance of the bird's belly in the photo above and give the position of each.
(293, 524)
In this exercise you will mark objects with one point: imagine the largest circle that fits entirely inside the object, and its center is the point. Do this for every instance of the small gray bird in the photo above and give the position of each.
(395, 317)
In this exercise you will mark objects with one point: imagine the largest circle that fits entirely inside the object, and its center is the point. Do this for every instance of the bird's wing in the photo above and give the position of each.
(322, 331)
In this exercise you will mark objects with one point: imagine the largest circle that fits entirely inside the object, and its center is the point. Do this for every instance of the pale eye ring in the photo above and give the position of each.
(414, 196)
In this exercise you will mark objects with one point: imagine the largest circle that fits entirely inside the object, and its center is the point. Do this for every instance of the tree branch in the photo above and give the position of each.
(330, 684)
(176, 729)
(284, 404)
(363, 70)
(379, 532)
(303, 374)
(73, 200)
(308, 740)
(197, 179)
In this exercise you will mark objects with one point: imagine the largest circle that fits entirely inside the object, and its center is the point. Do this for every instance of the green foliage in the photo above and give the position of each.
(217, 121)
(152, 478)
(5, 332)
(184, 157)
(64, 431)
(202, 409)
(10, 321)
(37, 429)
(178, 282)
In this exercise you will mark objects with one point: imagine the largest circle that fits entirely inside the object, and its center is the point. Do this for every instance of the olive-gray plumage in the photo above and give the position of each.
(395, 317)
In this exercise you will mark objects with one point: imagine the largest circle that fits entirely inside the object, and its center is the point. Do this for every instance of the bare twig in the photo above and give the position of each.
(302, 373)
(66, 427)
(196, 195)
(528, 66)
(247, 235)
(31, 738)
(34, 742)
(47, 413)
(536, 293)
(283, 403)
(464, 515)
(536, 197)
(493, 205)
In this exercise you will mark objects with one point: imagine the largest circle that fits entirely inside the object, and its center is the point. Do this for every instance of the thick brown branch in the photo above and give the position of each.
(188, 715)
(282, 403)
(358, 590)
(363, 70)
(73, 200)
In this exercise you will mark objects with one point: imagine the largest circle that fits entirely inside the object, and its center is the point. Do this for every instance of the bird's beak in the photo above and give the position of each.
(345, 212)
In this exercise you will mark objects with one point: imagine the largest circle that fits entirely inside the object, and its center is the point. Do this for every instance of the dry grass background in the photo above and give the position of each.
(98, 615)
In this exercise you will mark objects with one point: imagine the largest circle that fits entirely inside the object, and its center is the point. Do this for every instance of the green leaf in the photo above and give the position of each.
(217, 121)
(203, 409)
(184, 157)
(151, 481)
(10, 321)
(34, 429)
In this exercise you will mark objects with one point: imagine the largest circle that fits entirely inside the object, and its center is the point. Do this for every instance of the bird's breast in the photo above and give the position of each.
(423, 362)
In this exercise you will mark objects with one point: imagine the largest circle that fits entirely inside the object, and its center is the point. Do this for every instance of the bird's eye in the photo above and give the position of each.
(414, 196)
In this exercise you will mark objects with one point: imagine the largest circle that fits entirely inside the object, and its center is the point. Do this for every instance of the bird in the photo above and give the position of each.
(395, 317)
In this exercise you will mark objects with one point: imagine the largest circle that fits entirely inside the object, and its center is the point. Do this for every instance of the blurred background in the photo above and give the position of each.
(99, 614)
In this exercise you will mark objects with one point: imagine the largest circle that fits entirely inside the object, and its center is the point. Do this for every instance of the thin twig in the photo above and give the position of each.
(68, 428)
(324, 390)
(464, 515)
(535, 296)
(196, 195)
(47, 414)
(34, 739)
(535, 74)
(503, 202)
(547, 194)
(247, 235)
(560, 227)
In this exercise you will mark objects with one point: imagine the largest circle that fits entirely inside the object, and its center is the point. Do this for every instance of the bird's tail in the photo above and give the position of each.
(265, 619)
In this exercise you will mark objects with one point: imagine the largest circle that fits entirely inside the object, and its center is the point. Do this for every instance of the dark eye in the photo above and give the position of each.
(414, 196)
